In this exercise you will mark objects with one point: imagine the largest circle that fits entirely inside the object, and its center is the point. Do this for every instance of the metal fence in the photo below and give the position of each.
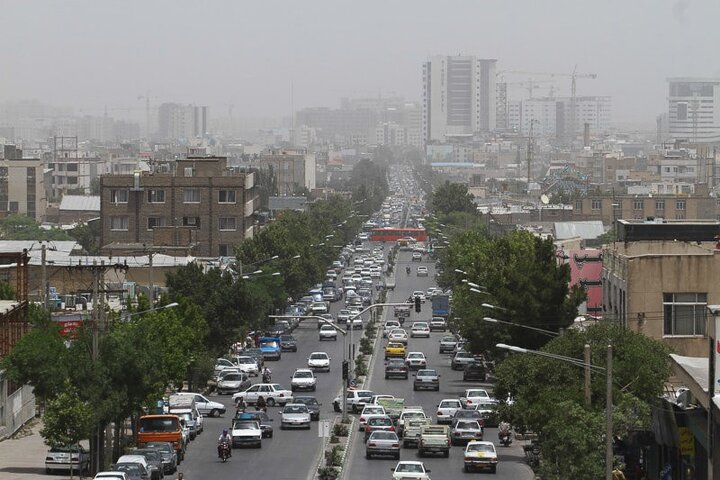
(16, 410)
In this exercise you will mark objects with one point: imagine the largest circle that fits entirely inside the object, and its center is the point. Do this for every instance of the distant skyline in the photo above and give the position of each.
(89, 54)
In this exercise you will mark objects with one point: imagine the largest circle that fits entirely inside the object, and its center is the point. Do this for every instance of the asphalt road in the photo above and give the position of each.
(511, 459)
(290, 454)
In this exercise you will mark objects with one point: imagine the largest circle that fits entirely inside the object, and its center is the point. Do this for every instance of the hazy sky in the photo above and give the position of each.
(92, 53)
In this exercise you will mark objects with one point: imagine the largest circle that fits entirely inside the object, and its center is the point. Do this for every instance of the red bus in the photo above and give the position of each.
(392, 234)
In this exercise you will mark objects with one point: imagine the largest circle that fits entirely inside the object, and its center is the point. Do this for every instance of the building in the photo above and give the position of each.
(458, 96)
(552, 117)
(72, 169)
(673, 207)
(181, 122)
(197, 202)
(694, 109)
(292, 169)
(23, 183)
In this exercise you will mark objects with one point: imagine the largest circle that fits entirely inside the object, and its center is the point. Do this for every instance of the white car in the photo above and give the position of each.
(480, 455)
(109, 475)
(398, 335)
(473, 396)
(419, 293)
(303, 379)
(73, 457)
(327, 332)
(357, 323)
(343, 315)
(410, 470)
(246, 432)
(247, 365)
(446, 409)
(356, 400)
(367, 411)
(422, 271)
(390, 325)
(420, 329)
(415, 360)
(318, 308)
(319, 361)
(204, 405)
(295, 415)
(272, 393)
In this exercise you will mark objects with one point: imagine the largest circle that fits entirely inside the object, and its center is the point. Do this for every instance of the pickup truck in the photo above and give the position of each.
(434, 439)
(412, 429)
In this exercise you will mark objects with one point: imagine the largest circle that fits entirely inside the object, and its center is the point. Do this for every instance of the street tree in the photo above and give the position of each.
(548, 395)
(68, 418)
(451, 197)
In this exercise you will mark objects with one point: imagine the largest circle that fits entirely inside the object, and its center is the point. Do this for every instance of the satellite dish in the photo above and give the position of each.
(544, 199)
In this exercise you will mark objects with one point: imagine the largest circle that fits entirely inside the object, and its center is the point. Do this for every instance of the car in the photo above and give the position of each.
(233, 383)
(343, 316)
(474, 371)
(389, 326)
(66, 458)
(204, 405)
(167, 453)
(382, 442)
(357, 322)
(473, 396)
(246, 432)
(367, 411)
(272, 393)
(132, 471)
(319, 361)
(288, 343)
(312, 404)
(398, 335)
(378, 422)
(355, 400)
(295, 415)
(427, 379)
(281, 327)
(256, 354)
(465, 430)
(318, 308)
(416, 360)
(154, 460)
(396, 367)
(394, 349)
(446, 409)
(417, 257)
(262, 418)
(270, 347)
(487, 410)
(327, 332)
(480, 455)
(331, 274)
(420, 329)
(460, 359)
(466, 415)
(422, 271)
(410, 470)
(419, 293)
(438, 324)
(303, 379)
(140, 460)
(401, 311)
(448, 343)
(110, 476)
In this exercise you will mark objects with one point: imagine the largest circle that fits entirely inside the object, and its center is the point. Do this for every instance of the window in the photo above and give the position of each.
(680, 205)
(191, 222)
(156, 196)
(684, 313)
(119, 196)
(191, 195)
(155, 222)
(227, 223)
(596, 204)
(659, 204)
(119, 223)
(188, 171)
(637, 204)
(578, 205)
(72, 167)
(682, 111)
(224, 250)
(226, 196)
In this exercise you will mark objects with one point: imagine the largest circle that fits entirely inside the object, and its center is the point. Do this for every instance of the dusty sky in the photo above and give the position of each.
(93, 53)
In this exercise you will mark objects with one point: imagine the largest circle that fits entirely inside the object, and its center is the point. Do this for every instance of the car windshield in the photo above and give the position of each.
(480, 447)
(244, 425)
(463, 355)
(409, 467)
(426, 373)
(467, 414)
(306, 400)
(383, 435)
(269, 343)
(450, 404)
(245, 360)
(365, 394)
(162, 424)
(396, 363)
(161, 446)
(409, 415)
(448, 339)
(415, 355)
(232, 377)
(287, 338)
(318, 356)
(468, 425)
(372, 410)
(477, 393)
(295, 409)
(384, 421)
(66, 448)
(303, 374)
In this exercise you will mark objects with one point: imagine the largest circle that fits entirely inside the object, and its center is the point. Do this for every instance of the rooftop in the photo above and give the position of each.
(81, 203)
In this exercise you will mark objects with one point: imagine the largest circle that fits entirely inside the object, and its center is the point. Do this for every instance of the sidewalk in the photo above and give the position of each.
(22, 456)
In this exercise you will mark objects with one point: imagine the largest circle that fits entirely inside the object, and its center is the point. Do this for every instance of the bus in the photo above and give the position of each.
(393, 234)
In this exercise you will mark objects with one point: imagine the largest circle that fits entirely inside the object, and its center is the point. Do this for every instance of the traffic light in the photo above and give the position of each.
(345, 370)
(417, 305)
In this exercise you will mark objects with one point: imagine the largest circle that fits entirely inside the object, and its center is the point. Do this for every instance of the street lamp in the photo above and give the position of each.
(461, 271)
(608, 395)
(539, 330)
(129, 315)
(475, 290)
(494, 307)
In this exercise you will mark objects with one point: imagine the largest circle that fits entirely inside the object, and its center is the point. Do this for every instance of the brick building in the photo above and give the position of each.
(197, 202)
(672, 207)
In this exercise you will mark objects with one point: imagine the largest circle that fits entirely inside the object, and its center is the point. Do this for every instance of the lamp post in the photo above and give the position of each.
(129, 315)
(494, 307)
(274, 257)
(549, 333)
(608, 394)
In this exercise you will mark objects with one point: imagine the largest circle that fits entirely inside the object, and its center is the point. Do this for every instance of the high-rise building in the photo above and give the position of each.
(694, 109)
(458, 96)
(176, 121)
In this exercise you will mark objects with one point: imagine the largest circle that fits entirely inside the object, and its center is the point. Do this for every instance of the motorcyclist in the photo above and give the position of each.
(260, 404)
(240, 406)
(407, 270)
(266, 375)
(225, 439)
(504, 431)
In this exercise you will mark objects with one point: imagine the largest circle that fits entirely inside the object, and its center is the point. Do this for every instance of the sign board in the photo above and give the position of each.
(324, 429)
(687, 442)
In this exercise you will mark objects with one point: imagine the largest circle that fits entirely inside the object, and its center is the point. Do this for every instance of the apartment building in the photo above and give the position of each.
(196, 201)
(694, 109)
(23, 183)
(292, 169)
(672, 207)
(176, 121)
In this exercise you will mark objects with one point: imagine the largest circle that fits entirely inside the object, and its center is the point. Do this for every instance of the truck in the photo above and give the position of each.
(161, 428)
(393, 406)
(412, 428)
(434, 439)
(441, 305)
(270, 348)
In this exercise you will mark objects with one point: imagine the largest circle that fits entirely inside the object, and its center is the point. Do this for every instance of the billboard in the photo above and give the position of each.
(439, 153)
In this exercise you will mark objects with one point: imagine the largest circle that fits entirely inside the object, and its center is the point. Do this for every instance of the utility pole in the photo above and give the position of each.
(587, 376)
(150, 279)
(44, 284)
(608, 417)
(529, 154)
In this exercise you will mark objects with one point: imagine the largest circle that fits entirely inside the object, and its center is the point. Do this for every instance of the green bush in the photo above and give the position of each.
(333, 458)
(366, 346)
(340, 430)
(361, 368)
(327, 473)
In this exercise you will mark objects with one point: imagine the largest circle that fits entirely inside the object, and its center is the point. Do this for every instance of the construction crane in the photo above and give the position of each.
(502, 98)
(573, 89)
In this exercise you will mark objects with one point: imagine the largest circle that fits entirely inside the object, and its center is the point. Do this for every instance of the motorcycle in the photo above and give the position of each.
(505, 436)
(266, 377)
(407, 270)
(224, 451)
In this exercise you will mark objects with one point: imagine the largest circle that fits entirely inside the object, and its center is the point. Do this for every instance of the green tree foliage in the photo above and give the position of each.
(20, 227)
(7, 292)
(520, 273)
(88, 236)
(549, 399)
(68, 419)
(451, 197)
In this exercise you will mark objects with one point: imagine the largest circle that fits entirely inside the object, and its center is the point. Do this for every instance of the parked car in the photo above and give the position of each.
(427, 379)
(233, 383)
(132, 471)
(474, 371)
(67, 458)
(167, 453)
(154, 460)
(382, 442)
(110, 476)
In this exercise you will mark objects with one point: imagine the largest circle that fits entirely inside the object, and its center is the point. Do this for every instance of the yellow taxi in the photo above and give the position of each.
(394, 349)
(480, 455)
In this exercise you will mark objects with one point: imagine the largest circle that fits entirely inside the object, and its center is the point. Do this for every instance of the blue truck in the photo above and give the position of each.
(270, 348)
(441, 306)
